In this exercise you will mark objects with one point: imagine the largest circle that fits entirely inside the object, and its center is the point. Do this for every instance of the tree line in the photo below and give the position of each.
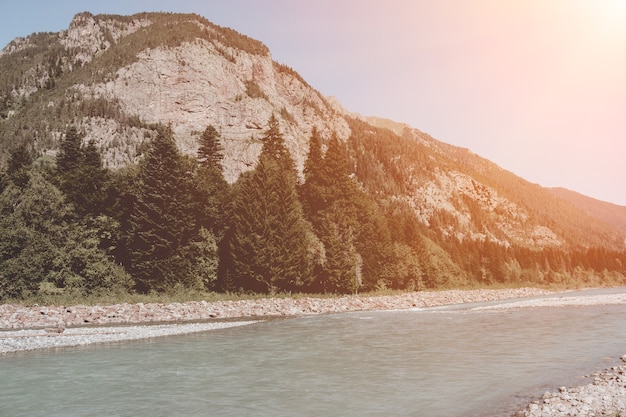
(172, 222)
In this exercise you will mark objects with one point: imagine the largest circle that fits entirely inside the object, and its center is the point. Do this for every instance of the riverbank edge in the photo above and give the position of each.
(605, 395)
(16, 317)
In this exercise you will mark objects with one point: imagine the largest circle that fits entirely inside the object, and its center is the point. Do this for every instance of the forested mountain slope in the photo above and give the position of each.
(494, 202)
(611, 214)
(369, 202)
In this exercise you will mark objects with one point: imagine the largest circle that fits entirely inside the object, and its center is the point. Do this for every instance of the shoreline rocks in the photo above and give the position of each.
(42, 327)
(604, 396)
(35, 317)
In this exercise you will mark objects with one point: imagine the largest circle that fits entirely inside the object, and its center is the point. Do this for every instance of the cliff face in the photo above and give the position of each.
(190, 85)
(194, 85)
(116, 76)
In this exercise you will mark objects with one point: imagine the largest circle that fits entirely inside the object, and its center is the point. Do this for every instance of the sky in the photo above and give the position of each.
(536, 86)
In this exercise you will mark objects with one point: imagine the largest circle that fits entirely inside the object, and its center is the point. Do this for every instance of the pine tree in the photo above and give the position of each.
(162, 222)
(270, 239)
(340, 269)
(18, 165)
(274, 145)
(312, 191)
(210, 151)
(80, 174)
(336, 171)
(70, 155)
(211, 194)
(90, 156)
(211, 191)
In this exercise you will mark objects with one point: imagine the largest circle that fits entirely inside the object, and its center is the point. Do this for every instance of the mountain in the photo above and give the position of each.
(488, 202)
(116, 77)
(611, 214)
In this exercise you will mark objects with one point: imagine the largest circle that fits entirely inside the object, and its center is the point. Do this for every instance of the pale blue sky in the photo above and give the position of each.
(536, 86)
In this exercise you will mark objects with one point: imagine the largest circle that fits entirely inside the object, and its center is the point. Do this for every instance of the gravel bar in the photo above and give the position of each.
(24, 340)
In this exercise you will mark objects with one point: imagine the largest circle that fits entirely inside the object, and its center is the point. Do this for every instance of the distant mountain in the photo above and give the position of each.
(611, 214)
(115, 77)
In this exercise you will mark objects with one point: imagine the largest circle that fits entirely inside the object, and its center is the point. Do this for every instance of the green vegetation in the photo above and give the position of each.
(173, 226)
(270, 240)
(43, 245)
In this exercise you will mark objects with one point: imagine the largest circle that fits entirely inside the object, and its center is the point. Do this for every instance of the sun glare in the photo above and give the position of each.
(620, 5)
(607, 16)
(609, 9)
(615, 8)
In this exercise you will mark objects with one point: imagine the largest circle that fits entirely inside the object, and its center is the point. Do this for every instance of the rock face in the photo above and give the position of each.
(205, 82)
(87, 36)
(116, 76)
(194, 85)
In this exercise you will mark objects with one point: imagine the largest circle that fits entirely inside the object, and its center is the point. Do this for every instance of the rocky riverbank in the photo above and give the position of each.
(33, 317)
(605, 396)
(39, 327)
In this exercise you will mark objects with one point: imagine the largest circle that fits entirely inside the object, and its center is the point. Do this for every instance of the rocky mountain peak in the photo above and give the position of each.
(88, 35)
(195, 82)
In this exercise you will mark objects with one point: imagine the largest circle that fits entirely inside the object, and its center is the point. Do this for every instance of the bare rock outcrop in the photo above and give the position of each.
(201, 83)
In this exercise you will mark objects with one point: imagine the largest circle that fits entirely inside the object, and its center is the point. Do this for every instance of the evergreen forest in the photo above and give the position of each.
(171, 222)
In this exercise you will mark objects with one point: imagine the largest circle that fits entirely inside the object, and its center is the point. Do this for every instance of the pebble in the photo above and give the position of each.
(83, 318)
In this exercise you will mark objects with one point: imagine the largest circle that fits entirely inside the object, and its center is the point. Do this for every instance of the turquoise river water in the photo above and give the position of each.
(434, 362)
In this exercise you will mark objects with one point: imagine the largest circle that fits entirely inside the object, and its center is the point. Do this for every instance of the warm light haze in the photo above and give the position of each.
(537, 86)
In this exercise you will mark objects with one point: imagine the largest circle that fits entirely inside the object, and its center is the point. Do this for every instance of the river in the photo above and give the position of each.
(451, 362)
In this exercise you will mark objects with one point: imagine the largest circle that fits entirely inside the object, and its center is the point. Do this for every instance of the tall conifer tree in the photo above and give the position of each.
(70, 155)
(80, 174)
(162, 222)
(211, 191)
(312, 191)
(20, 161)
(210, 151)
(270, 237)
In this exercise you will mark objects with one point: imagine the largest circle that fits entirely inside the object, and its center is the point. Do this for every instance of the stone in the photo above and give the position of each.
(588, 400)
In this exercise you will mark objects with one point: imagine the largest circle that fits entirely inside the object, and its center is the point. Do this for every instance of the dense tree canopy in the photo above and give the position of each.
(42, 242)
(173, 222)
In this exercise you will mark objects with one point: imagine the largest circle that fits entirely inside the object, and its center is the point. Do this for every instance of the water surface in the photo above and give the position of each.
(434, 362)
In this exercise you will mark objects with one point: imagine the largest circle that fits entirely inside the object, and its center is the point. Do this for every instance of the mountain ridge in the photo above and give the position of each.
(117, 76)
(610, 213)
